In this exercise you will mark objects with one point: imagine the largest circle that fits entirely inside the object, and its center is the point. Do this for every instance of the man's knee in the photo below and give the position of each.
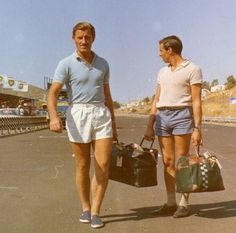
(169, 162)
(102, 171)
(82, 166)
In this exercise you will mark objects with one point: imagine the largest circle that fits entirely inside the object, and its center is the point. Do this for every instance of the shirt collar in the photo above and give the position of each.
(76, 55)
(184, 63)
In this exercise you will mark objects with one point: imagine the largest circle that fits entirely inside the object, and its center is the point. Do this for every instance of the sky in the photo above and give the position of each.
(36, 35)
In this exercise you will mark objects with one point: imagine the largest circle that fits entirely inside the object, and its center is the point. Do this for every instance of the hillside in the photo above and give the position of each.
(218, 104)
(215, 104)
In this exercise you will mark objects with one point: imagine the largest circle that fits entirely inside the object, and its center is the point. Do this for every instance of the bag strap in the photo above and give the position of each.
(116, 141)
(143, 141)
(197, 150)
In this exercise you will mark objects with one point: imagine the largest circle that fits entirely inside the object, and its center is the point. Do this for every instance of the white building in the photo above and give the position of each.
(205, 93)
(218, 88)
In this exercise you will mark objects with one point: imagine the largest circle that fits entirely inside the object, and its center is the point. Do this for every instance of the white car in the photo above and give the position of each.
(9, 112)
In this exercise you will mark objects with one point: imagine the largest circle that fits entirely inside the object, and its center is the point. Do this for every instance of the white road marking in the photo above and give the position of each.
(8, 187)
(56, 136)
(57, 170)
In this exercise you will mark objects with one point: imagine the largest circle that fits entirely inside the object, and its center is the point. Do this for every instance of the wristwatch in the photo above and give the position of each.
(197, 127)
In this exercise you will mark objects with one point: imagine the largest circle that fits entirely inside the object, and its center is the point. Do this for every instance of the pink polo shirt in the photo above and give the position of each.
(176, 85)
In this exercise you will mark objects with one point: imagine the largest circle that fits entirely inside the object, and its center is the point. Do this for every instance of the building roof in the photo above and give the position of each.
(34, 93)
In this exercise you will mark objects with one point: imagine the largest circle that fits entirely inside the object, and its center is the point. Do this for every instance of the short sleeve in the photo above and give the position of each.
(196, 76)
(107, 74)
(158, 79)
(61, 73)
(161, 71)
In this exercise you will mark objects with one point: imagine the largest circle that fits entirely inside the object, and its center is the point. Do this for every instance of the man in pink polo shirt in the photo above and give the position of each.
(177, 113)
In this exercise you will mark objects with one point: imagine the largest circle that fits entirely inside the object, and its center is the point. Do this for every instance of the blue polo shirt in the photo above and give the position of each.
(84, 82)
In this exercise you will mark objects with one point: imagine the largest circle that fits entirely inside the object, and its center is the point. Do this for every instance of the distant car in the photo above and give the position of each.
(9, 112)
(61, 110)
(40, 112)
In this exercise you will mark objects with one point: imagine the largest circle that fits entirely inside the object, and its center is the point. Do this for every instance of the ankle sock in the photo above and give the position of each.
(184, 199)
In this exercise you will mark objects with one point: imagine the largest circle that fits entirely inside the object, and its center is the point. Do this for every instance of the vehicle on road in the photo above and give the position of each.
(62, 106)
(9, 112)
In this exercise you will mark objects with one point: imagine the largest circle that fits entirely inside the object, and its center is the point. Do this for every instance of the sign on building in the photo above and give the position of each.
(232, 100)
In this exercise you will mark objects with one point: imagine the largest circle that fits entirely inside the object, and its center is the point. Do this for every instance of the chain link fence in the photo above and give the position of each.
(18, 125)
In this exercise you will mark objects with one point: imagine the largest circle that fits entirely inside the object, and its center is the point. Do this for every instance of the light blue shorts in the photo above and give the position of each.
(88, 122)
(174, 122)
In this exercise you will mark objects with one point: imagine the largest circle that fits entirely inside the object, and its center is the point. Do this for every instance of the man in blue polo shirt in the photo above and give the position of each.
(90, 117)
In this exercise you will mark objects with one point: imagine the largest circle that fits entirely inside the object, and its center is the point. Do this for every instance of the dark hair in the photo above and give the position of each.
(172, 42)
(83, 26)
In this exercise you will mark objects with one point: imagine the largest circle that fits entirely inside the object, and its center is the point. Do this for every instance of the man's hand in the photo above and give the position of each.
(150, 134)
(56, 124)
(196, 137)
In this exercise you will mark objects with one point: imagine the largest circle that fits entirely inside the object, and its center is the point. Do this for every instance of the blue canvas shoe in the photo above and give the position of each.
(96, 222)
(85, 217)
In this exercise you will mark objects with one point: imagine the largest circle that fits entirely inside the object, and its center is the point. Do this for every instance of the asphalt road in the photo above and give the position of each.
(38, 195)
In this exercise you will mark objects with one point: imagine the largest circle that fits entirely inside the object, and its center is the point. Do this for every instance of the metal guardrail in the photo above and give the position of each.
(230, 120)
(18, 125)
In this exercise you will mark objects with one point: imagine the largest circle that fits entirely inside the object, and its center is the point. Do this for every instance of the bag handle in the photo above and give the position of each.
(116, 141)
(143, 141)
(197, 150)
(152, 154)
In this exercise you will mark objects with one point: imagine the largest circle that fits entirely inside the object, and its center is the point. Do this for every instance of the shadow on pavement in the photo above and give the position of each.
(123, 217)
(135, 215)
(214, 210)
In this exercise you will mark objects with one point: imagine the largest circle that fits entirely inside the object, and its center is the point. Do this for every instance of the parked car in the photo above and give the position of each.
(41, 112)
(9, 112)
(61, 110)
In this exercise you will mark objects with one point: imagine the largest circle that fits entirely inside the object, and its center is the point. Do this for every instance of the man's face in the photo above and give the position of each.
(164, 53)
(83, 40)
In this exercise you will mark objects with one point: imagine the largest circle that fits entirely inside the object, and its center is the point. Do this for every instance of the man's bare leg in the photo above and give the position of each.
(168, 156)
(82, 152)
(102, 155)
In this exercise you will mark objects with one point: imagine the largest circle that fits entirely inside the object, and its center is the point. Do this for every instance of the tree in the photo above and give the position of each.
(146, 100)
(116, 105)
(231, 82)
(214, 82)
(206, 85)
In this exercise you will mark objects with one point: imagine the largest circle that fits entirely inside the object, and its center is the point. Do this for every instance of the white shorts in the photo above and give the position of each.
(88, 122)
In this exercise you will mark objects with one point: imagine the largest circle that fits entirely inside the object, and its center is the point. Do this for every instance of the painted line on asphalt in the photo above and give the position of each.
(8, 187)
(57, 170)
(57, 136)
